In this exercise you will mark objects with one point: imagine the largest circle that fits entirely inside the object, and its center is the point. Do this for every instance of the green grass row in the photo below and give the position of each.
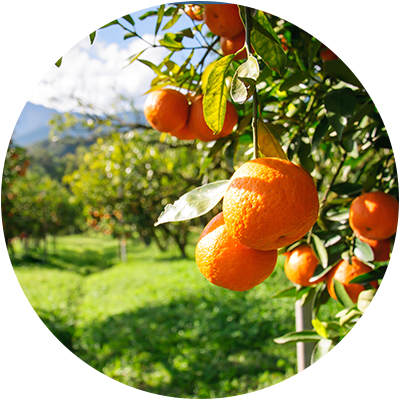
(155, 323)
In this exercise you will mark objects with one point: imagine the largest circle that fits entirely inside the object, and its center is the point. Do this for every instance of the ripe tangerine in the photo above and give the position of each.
(227, 263)
(223, 19)
(270, 203)
(194, 11)
(232, 45)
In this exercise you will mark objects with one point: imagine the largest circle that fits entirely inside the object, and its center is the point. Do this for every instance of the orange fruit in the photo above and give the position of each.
(327, 54)
(194, 11)
(374, 215)
(166, 110)
(270, 203)
(232, 45)
(381, 248)
(223, 19)
(183, 133)
(344, 272)
(227, 263)
(200, 129)
(300, 265)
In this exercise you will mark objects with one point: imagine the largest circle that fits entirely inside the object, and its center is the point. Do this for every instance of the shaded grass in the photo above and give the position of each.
(155, 323)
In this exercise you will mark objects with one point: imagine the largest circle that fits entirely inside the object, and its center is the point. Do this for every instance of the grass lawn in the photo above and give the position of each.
(155, 323)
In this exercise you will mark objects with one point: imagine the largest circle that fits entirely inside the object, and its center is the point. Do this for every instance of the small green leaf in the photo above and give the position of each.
(172, 42)
(342, 295)
(365, 298)
(347, 189)
(320, 132)
(216, 95)
(154, 67)
(339, 69)
(129, 19)
(151, 13)
(321, 349)
(371, 276)
(173, 20)
(288, 292)
(320, 249)
(186, 32)
(92, 37)
(321, 274)
(194, 203)
(58, 63)
(160, 15)
(349, 316)
(115, 22)
(293, 80)
(319, 328)
(303, 336)
(340, 105)
(130, 35)
(363, 251)
(244, 80)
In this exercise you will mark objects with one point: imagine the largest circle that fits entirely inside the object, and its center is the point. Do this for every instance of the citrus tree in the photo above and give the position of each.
(314, 172)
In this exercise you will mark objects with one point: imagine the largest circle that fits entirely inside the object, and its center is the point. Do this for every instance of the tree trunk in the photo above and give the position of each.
(124, 258)
(303, 322)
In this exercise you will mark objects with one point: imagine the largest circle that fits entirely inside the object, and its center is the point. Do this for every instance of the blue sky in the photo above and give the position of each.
(95, 73)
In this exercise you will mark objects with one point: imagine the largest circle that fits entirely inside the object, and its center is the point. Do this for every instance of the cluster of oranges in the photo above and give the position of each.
(270, 203)
(373, 218)
(169, 111)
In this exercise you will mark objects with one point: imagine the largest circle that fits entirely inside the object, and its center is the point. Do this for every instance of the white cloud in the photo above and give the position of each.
(95, 74)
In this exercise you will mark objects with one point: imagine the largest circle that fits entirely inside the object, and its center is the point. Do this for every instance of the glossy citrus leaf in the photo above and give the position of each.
(321, 349)
(320, 249)
(194, 203)
(319, 328)
(342, 295)
(363, 251)
(365, 298)
(244, 80)
(303, 336)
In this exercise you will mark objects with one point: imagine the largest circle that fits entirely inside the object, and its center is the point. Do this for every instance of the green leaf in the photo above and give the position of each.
(320, 132)
(130, 35)
(363, 251)
(319, 328)
(148, 14)
(347, 189)
(160, 15)
(288, 292)
(321, 349)
(216, 95)
(58, 63)
(115, 22)
(365, 298)
(321, 297)
(267, 142)
(342, 295)
(374, 275)
(321, 274)
(172, 42)
(92, 36)
(186, 32)
(340, 70)
(303, 336)
(154, 67)
(129, 19)
(266, 43)
(340, 105)
(349, 316)
(293, 80)
(173, 20)
(314, 50)
(241, 90)
(320, 249)
(194, 203)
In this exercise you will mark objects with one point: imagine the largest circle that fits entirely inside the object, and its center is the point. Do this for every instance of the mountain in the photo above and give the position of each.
(33, 124)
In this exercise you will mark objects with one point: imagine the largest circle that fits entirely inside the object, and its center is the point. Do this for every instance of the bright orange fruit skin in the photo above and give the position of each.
(200, 129)
(183, 133)
(344, 272)
(166, 110)
(300, 265)
(381, 248)
(223, 19)
(270, 203)
(227, 263)
(232, 45)
(374, 215)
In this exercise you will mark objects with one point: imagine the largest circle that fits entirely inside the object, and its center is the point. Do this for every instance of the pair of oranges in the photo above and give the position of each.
(270, 203)
(373, 218)
(169, 111)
